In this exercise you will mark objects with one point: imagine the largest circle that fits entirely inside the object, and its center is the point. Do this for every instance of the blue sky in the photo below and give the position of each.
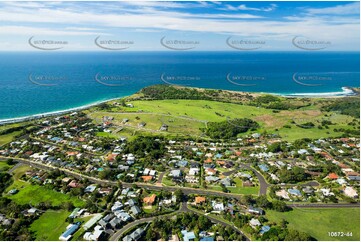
(207, 23)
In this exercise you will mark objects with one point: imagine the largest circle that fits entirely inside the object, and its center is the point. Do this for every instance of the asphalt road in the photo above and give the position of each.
(183, 209)
(263, 185)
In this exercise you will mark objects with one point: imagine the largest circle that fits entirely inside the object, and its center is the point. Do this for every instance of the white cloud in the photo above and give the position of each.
(346, 9)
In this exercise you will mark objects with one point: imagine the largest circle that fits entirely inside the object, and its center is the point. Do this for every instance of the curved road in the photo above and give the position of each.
(182, 209)
(263, 185)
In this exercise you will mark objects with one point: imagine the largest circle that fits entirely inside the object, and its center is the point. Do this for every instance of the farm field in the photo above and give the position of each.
(318, 222)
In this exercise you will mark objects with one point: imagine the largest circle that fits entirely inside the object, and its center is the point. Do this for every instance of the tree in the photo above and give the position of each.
(179, 195)
(279, 206)
(263, 202)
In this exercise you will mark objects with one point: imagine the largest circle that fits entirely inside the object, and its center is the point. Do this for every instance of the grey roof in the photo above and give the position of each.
(135, 210)
(114, 222)
(108, 217)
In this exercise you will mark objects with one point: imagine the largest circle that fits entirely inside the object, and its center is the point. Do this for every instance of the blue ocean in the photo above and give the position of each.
(41, 82)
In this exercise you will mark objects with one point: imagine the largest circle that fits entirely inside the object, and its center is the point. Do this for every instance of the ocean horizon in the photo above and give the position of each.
(34, 83)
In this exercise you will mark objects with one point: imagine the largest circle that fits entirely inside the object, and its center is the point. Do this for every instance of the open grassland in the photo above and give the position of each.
(186, 117)
(35, 194)
(50, 225)
(318, 222)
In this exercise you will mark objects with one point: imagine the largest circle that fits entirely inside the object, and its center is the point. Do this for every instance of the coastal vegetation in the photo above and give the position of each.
(230, 128)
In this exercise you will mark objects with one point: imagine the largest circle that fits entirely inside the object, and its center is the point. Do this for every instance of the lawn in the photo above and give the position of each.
(34, 194)
(240, 189)
(167, 181)
(6, 138)
(50, 225)
(149, 210)
(318, 222)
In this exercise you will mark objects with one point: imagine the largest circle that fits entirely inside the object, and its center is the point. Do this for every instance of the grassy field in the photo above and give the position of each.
(185, 117)
(318, 222)
(50, 225)
(34, 194)
(4, 166)
(6, 138)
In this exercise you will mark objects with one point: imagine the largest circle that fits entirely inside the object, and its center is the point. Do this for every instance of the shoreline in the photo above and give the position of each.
(346, 92)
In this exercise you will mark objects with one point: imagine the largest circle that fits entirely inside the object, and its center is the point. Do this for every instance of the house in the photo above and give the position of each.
(263, 167)
(350, 192)
(32, 211)
(182, 163)
(74, 213)
(122, 215)
(147, 178)
(253, 210)
(149, 200)
(327, 192)
(308, 190)
(136, 235)
(199, 200)
(117, 206)
(97, 234)
(191, 179)
(247, 184)
(90, 188)
(92, 221)
(123, 167)
(211, 179)
(294, 192)
(105, 190)
(108, 217)
(115, 222)
(74, 184)
(188, 236)
(254, 223)
(175, 173)
(103, 223)
(332, 176)
(226, 182)
(13, 191)
(135, 210)
(210, 171)
(125, 191)
(264, 229)
(70, 230)
(164, 127)
(217, 206)
(131, 202)
(283, 193)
